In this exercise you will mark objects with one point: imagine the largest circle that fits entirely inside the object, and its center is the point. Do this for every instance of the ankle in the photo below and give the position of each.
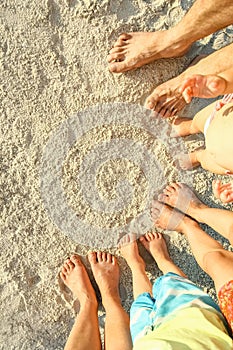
(88, 303)
(187, 224)
(110, 301)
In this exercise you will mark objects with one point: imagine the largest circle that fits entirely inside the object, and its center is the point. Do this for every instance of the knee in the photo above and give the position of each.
(213, 257)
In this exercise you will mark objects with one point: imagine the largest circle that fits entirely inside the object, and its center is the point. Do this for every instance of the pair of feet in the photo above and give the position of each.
(106, 270)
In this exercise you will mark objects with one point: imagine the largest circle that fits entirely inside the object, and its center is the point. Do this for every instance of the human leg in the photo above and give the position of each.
(129, 250)
(132, 50)
(85, 332)
(106, 273)
(184, 126)
(210, 255)
(183, 198)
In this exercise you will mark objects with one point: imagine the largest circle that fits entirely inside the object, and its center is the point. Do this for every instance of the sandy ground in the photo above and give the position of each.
(53, 66)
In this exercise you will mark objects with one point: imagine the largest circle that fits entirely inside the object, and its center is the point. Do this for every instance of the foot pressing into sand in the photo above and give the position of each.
(156, 245)
(75, 277)
(180, 196)
(106, 273)
(188, 161)
(133, 50)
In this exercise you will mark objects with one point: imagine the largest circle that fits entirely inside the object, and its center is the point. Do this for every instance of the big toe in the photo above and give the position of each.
(92, 257)
(119, 67)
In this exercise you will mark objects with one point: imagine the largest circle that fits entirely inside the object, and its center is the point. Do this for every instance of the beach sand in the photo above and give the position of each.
(53, 66)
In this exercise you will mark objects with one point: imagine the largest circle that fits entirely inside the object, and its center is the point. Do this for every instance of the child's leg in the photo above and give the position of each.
(200, 157)
(129, 250)
(184, 126)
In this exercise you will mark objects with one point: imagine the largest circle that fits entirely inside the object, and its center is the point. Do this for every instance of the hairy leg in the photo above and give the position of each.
(132, 50)
(85, 332)
(106, 273)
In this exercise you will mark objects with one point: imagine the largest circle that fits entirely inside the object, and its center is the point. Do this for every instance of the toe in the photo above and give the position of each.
(119, 56)
(116, 49)
(99, 256)
(162, 197)
(92, 257)
(119, 67)
(62, 276)
(64, 270)
(151, 102)
(113, 259)
(75, 260)
(104, 256)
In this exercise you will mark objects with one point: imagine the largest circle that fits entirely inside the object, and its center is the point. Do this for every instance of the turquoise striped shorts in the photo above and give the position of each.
(171, 293)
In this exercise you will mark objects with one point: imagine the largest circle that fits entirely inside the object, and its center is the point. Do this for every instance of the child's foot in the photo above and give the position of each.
(129, 250)
(183, 127)
(224, 192)
(156, 245)
(106, 273)
(133, 50)
(75, 277)
(180, 196)
(188, 161)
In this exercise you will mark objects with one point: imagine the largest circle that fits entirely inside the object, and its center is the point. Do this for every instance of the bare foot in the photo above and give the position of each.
(129, 250)
(156, 245)
(180, 196)
(224, 192)
(166, 217)
(167, 98)
(106, 273)
(188, 161)
(183, 127)
(75, 277)
(133, 50)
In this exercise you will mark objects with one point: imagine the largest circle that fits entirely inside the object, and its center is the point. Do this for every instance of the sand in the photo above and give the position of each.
(54, 75)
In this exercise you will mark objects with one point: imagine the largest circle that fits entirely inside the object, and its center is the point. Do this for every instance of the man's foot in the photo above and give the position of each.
(129, 250)
(106, 273)
(188, 161)
(180, 196)
(183, 127)
(223, 192)
(75, 277)
(133, 50)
